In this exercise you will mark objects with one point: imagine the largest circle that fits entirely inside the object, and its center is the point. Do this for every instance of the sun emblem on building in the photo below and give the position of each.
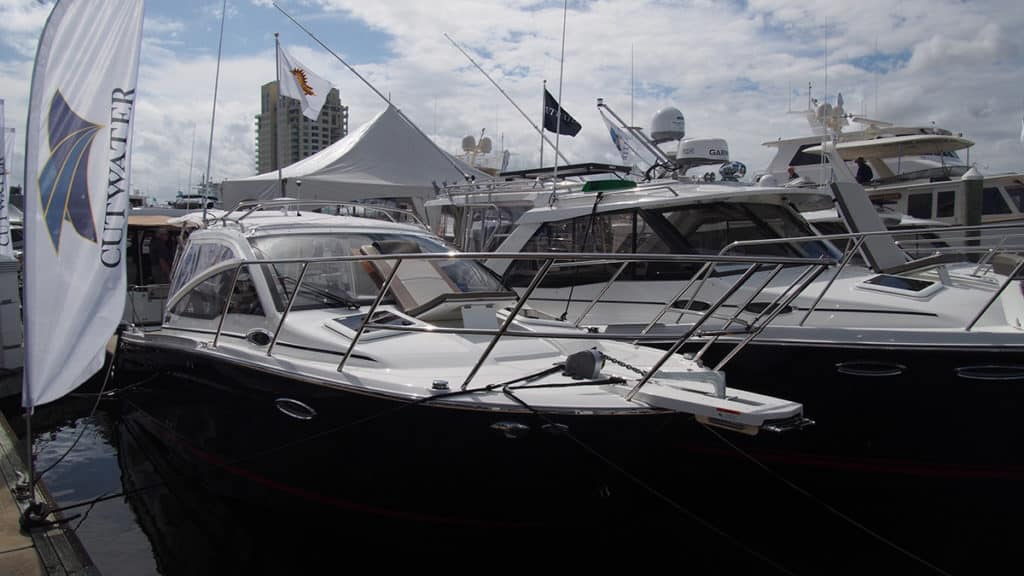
(300, 77)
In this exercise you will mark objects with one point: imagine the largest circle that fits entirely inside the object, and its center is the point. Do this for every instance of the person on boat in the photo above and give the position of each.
(864, 172)
(792, 173)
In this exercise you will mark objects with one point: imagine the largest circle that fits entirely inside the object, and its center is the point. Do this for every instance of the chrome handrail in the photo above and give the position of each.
(508, 321)
(753, 265)
(944, 234)
(693, 328)
(847, 257)
(740, 309)
(1009, 278)
(369, 314)
(251, 206)
(288, 309)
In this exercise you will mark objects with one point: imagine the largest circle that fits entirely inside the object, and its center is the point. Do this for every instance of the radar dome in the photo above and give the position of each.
(701, 151)
(768, 181)
(667, 125)
(468, 144)
(485, 145)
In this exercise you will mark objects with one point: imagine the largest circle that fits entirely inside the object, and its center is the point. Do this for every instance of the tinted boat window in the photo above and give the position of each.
(992, 202)
(1016, 194)
(802, 158)
(708, 228)
(699, 229)
(600, 233)
(828, 228)
(945, 204)
(920, 205)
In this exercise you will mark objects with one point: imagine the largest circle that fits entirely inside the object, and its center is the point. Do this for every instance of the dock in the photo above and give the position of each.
(51, 551)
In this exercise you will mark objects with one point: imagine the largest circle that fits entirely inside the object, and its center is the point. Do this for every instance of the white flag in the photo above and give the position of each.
(76, 190)
(301, 83)
(1022, 130)
(6, 248)
(620, 138)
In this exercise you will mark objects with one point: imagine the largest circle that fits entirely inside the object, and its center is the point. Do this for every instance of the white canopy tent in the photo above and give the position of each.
(385, 158)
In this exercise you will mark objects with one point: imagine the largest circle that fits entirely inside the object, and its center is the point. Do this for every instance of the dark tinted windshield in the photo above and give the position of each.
(707, 228)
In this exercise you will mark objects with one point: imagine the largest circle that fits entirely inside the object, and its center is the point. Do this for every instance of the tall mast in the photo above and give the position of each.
(213, 114)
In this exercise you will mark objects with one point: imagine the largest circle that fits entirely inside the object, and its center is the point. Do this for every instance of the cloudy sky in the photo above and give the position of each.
(733, 67)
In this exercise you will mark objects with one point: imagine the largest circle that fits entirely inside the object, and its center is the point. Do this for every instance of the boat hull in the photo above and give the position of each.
(929, 411)
(386, 456)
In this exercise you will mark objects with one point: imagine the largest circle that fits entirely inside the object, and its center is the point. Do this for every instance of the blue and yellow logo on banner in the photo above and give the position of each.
(63, 183)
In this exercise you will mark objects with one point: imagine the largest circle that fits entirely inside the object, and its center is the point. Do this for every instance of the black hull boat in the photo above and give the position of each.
(385, 456)
(363, 365)
(941, 414)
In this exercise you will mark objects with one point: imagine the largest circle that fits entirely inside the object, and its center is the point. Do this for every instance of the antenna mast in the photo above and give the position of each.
(213, 115)
(558, 121)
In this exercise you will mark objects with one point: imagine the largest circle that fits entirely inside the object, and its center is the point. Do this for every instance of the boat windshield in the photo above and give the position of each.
(706, 229)
(356, 283)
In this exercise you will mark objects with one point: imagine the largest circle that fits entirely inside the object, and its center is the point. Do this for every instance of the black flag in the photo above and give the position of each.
(569, 125)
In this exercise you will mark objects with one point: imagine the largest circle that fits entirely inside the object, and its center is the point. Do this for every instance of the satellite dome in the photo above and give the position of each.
(768, 181)
(667, 125)
(468, 144)
(485, 145)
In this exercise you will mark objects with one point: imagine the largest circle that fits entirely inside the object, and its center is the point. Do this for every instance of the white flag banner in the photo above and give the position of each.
(76, 190)
(621, 139)
(1022, 130)
(302, 84)
(6, 247)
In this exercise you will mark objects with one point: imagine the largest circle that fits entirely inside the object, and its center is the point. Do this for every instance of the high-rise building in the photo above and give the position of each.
(300, 136)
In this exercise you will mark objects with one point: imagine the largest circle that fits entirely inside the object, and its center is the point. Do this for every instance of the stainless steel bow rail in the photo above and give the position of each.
(753, 265)
(985, 243)
(246, 208)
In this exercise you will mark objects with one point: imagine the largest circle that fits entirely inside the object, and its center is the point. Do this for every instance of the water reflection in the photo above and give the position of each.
(178, 518)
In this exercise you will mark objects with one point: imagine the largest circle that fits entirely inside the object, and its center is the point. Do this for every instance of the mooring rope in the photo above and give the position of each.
(831, 509)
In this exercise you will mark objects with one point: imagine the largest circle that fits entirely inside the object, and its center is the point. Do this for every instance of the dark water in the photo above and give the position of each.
(165, 518)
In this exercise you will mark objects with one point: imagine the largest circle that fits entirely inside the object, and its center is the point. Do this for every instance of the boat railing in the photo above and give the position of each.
(246, 208)
(547, 261)
(982, 243)
(465, 241)
(487, 191)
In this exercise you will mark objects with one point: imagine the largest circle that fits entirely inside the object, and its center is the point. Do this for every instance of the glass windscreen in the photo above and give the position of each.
(707, 228)
(356, 283)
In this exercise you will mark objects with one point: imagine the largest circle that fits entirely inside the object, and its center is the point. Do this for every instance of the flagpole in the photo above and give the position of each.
(558, 121)
(444, 154)
(277, 110)
(543, 103)
(213, 115)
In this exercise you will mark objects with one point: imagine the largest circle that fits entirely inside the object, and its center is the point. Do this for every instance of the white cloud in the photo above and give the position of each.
(731, 68)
